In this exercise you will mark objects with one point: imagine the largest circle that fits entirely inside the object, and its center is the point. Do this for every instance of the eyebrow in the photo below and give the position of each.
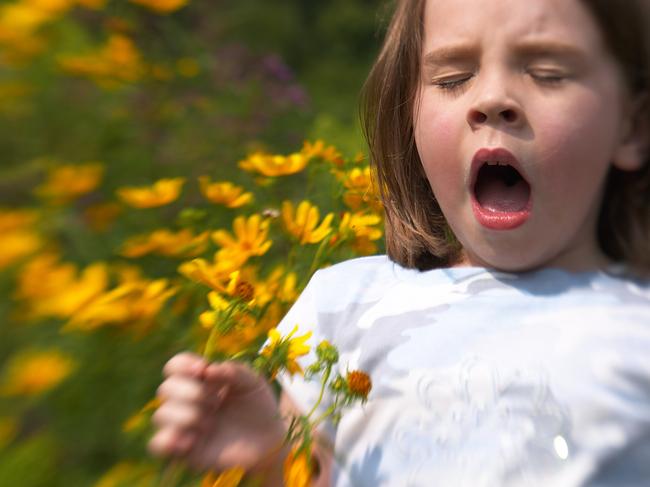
(449, 54)
(550, 48)
(465, 52)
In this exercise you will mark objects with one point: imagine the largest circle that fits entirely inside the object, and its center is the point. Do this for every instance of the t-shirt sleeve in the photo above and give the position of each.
(304, 315)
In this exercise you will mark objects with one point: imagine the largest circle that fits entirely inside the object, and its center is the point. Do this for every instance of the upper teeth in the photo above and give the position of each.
(495, 163)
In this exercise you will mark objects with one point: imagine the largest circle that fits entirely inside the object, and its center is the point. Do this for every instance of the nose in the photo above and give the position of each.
(495, 105)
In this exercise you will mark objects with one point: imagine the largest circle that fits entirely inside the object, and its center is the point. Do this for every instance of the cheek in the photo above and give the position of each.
(579, 138)
(574, 154)
(437, 138)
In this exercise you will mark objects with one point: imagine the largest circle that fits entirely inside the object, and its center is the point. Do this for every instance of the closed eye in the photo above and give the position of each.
(451, 84)
(549, 78)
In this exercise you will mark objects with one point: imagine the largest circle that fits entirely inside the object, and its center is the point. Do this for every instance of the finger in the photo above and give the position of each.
(238, 377)
(170, 441)
(183, 389)
(185, 363)
(177, 414)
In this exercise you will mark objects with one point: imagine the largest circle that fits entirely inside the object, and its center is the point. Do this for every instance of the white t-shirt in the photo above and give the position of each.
(482, 378)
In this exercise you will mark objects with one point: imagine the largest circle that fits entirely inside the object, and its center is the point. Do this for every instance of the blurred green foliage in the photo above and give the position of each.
(198, 89)
(269, 74)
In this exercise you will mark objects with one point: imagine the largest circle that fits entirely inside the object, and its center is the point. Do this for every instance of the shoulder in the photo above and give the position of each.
(621, 288)
(359, 267)
(363, 277)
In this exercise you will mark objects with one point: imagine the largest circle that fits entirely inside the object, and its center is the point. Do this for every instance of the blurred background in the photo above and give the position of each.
(128, 92)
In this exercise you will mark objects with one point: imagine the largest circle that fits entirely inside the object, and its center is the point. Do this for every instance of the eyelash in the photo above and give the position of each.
(549, 79)
(453, 85)
(456, 85)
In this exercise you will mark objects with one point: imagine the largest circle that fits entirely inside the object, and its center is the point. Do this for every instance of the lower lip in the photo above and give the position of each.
(500, 220)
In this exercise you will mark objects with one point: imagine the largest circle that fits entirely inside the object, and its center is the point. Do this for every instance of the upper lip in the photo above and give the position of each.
(493, 155)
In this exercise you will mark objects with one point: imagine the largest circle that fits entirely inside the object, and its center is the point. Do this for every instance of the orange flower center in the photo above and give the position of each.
(244, 291)
(359, 383)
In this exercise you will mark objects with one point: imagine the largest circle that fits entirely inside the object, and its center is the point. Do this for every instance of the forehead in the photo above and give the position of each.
(485, 20)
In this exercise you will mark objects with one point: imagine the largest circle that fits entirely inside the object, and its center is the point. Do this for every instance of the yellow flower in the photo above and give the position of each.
(66, 183)
(360, 225)
(208, 319)
(17, 244)
(162, 6)
(22, 19)
(224, 193)
(243, 330)
(19, 23)
(287, 292)
(360, 189)
(12, 219)
(122, 58)
(284, 351)
(161, 193)
(360, 229)
(43, 276)
(297, 468)
(33, 372)
(135, 301)
(274, 165)
(117, 61)
(278, 285)
(243, 284)
(318, 149)
(303, 222)
(202, 271)
(50, 6)
(164, 242)
(212, 274)
(240, 288)
(49, 288)
(250, 237)
(228, 478)
(359, 178)
(364, 246)
(74, 295)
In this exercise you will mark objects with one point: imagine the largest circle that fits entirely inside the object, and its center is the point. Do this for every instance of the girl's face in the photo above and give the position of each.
(521, 113)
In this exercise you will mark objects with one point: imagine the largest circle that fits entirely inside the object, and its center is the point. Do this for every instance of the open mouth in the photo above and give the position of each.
(501, 195)
(501, 188)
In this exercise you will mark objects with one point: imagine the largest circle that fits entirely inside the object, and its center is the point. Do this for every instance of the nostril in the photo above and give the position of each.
(509, 115)
(479, 117)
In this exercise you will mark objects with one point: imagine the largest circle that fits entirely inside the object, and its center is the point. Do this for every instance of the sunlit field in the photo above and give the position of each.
(171, 175)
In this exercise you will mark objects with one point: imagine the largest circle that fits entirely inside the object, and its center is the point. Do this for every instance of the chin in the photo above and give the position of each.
(506, 260)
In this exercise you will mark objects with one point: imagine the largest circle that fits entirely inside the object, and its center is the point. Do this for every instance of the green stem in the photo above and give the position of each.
(291, 257)
(317, 256)
(322, 417)
(170, 474)
(214, 332)
(207, 351)
(326, 376)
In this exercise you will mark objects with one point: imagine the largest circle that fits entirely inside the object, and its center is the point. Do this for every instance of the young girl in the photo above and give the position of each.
(507, 332)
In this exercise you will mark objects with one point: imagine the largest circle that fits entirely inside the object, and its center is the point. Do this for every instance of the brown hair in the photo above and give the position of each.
(417, 234)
